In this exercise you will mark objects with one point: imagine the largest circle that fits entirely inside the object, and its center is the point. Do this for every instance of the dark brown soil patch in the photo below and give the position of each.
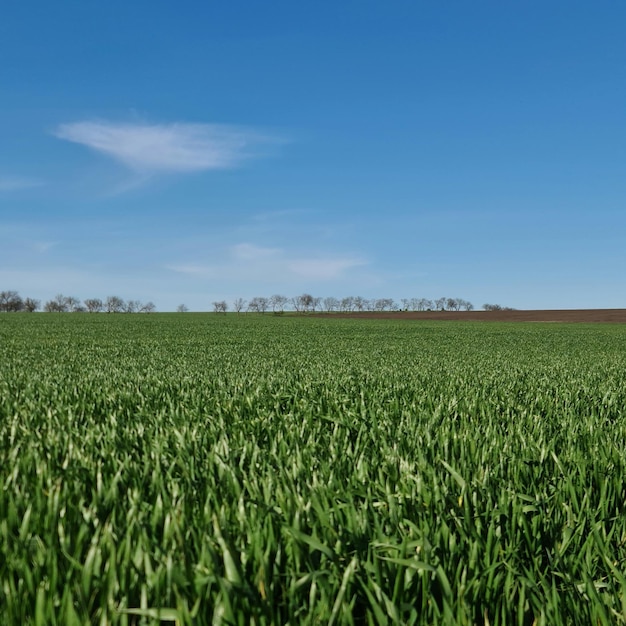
(585, 316)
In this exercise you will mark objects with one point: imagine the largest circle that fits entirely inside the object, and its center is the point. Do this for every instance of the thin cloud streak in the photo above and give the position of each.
(16, 183)
(248, 261)
(192, 269)
(160, 148)
(250, 252)
(323, 269)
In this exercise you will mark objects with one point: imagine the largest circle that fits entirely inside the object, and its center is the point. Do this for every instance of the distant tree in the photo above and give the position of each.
(31, 305)
(262, 303)
(147, 307)
(239, 305)
(132, 306)
(422, 304)
(258, 304)
(384, 304)
(114, 304)
(468, 306)
(278, 302)
(182, 308)
(492, 307)
(347, 304)
(331, 304)
(58, 304)
(93, 305)
(440, 304)
(359, 303)
(303, 303)
(72, 304)
(10, 302)
(62, 303)
(453, 304)
(220, 307)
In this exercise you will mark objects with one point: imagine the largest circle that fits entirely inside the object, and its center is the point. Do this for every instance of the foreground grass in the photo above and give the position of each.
(267, 470)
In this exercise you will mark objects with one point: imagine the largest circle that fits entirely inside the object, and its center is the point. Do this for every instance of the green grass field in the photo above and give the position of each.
(272, 470)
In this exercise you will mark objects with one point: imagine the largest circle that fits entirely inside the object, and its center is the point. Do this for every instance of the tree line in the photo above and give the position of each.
(12, 302)
(306, 303)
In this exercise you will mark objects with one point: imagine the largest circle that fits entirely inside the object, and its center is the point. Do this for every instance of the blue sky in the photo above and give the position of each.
(198, 151)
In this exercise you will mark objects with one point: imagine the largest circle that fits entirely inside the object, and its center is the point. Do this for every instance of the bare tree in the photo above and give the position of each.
(452, 304)
(114, 304)
(31, 305)
(10, 302)
(239, 305)
(93, 305)
(258, 304)
(492, 307)
(182, 308)
(148, 307)
(304, 302)
(72, 304)
(331, 304)
(57, 305)
(220, 307)
(62, 303)
(384, 304)
(308, 301)
(277, 302)
(359, 303)
(440, 304)
(132, 306)
(347, 304)
(464, 304)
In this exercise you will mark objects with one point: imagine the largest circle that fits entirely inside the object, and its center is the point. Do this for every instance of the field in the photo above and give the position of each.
(270, 470)
(577, 316)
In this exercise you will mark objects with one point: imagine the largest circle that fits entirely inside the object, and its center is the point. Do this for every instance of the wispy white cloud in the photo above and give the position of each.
(323, 268)
(277, 215)
(43, 246)
(249, 261)
(250, 252)
(15, 183)
(179, 147)
(193, 269)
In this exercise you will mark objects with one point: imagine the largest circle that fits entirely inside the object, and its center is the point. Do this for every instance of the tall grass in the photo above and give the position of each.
(263, 470)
